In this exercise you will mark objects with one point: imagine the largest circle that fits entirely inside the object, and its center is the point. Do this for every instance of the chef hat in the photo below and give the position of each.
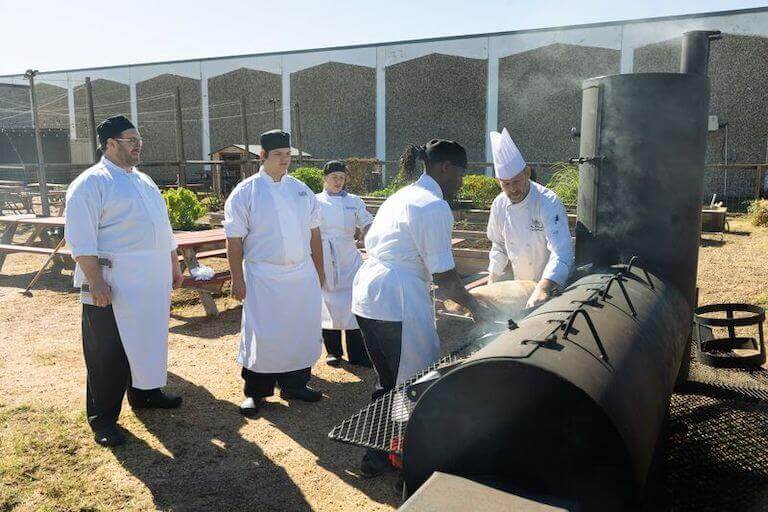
(334, 166)
(112, 127)
(441, 150)
(274, 139)
(507, 159)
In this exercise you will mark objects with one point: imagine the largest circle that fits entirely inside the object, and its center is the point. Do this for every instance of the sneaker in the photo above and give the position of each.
(333, 360)
(305, 394)
(109, 436)
(250, 407)
(157, 399)
(375, 463)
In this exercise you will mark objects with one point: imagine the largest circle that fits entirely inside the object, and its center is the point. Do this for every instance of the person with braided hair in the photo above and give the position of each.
(409, 248)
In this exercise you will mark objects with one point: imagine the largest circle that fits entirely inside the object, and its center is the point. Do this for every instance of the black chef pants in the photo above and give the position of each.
(109, 374)
(384, 342)
(356, 352)
(262, 385)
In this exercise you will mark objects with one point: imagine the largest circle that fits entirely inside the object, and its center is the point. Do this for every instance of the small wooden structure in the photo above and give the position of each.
(233, 170)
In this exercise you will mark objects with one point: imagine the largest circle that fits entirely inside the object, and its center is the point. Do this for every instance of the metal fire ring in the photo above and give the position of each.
(718, 352)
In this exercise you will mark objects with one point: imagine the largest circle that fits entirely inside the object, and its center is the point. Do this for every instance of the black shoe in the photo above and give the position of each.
(250, 407)
(109, 436)
(156, 399)
(305, 394)
(333, 360)
(375, 463)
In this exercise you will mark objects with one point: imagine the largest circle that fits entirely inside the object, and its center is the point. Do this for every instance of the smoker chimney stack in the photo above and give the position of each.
(694, 58)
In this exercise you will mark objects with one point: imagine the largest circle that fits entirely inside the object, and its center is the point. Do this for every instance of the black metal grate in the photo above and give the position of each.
(718, 448)
(380, 425)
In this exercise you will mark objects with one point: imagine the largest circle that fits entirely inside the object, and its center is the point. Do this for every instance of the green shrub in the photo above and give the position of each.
(479, 189)
(183, 208)
(311, 176)
(213, 203)
(758, 212)
(394, 185)
(565, 182)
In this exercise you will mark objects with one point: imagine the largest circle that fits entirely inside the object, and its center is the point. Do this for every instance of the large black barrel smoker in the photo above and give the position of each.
(571, 402)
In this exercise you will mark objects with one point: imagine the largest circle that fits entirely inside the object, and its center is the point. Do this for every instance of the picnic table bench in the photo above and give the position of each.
(40, 230)
(193, 246)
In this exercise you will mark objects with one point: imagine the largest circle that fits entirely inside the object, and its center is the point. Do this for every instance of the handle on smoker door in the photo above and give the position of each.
(598, 342)
(585, 159)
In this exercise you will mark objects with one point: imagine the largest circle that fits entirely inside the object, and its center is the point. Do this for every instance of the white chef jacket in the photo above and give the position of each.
(282, 309)
(121, 216)
(409, 240)
(340, 216)
(111, 210)
(532, 236)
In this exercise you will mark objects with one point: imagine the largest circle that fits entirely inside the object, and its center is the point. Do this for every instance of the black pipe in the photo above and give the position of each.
(694, 58)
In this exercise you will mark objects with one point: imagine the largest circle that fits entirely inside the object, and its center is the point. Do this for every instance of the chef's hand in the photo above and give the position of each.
(494, 278)
(178, 277)
(541, 294)
(101, 293)
(238, 289)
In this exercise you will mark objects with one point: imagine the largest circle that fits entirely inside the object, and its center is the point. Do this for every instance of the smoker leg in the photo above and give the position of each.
(683, 374)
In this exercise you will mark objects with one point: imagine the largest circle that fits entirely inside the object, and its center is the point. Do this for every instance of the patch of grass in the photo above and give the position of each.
(565, 182)
(47, 461)
(761, 300)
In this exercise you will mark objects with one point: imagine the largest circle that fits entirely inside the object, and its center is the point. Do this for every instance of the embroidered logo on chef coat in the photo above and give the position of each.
(536, 225)
(303, 193)
(350, 208)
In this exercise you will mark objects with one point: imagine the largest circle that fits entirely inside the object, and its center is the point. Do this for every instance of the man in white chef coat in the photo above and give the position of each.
(275, 255)
(409, 248)
(118, 230)
(527, 227)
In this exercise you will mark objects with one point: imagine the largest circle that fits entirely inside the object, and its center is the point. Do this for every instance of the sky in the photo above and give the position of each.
(55, 35)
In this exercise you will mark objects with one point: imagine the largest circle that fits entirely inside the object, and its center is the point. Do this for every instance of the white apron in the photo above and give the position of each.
(280, 333)
(141, 286)
(420, 344)
(141, 301)
(341, 260)
(282, 308)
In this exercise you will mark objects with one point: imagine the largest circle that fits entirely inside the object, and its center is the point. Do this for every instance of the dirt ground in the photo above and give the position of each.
(205, 455)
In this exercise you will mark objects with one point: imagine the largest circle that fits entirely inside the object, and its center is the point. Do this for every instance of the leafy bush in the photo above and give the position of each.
(758, 212)
(394, 185)
(213, 203)
(311, 176)
(360, 172)
(184, 208)
(565, 182)
(479, 189)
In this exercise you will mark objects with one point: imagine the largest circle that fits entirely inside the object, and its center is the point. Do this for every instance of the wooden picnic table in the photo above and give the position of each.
(40, 226)
(195, 245)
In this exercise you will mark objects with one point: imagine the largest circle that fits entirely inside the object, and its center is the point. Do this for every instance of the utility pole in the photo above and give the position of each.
(180, 140)
(298, 133)
(274, 102)
(30, 75)
(91, 116)
(246, 149)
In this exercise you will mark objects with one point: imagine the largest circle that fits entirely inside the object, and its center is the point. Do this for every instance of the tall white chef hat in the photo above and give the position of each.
(507, 159)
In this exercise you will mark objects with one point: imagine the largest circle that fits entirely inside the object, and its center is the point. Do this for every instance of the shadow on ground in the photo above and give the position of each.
(211, 466)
